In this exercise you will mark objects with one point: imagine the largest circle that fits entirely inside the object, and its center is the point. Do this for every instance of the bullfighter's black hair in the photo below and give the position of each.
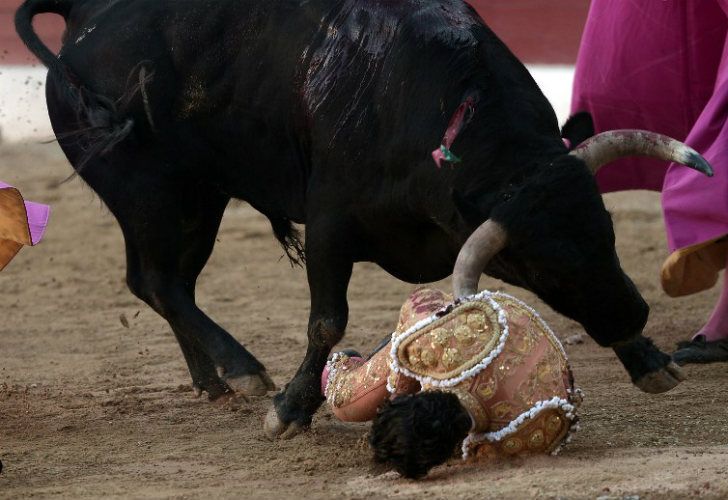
(414, 433)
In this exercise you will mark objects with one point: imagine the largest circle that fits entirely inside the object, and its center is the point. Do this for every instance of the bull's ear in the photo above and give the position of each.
(578, 128)
(467, 207)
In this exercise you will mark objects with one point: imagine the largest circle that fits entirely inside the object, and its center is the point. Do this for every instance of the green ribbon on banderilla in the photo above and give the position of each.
(449, 155)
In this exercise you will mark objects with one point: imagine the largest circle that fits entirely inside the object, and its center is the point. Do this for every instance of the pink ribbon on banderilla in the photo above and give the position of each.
(461, 117)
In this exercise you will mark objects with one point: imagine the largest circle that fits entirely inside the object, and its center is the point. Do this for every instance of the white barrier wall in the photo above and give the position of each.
(23, 114)
(555, 83)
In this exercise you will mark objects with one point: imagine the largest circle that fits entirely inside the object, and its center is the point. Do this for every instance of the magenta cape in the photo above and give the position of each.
(663, 66)
(21, 222)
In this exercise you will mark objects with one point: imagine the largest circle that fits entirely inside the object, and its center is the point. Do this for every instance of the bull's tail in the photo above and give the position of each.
(24, 26)
(100, 125)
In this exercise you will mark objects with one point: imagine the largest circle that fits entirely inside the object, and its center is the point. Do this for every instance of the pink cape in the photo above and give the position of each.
(21, 222)
(663, 66)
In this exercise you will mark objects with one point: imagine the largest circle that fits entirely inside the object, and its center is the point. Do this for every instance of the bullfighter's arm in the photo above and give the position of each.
(355, 388)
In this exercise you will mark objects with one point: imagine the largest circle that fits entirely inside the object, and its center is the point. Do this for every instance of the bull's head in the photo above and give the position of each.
(553, 235)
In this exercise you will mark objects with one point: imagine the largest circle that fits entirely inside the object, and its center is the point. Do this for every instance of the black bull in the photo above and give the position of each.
(324, 113)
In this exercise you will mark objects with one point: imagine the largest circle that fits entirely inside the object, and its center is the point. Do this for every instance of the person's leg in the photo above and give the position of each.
(710, 344)
(637, 79)
(717, 326)
(696, 211)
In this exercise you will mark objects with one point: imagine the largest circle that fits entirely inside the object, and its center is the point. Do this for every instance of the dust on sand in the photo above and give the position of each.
(92, 405)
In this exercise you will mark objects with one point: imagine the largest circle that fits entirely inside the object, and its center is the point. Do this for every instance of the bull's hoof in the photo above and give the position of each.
(251, 385)
(275, 428)
(215, 389)
(650, 369)
(662, 380)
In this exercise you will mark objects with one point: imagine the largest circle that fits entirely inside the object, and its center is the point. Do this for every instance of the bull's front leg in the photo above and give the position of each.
(329, 265)
(650, 369)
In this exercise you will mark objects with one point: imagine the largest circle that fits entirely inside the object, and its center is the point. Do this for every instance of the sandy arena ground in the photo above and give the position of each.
(91, 408)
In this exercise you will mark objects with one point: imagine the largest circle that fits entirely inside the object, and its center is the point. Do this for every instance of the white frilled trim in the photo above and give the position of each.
(567, 439)
(554, 403)
(396, 368)
(538, 318)
(331, 365)
(576, 396)
(390, 388)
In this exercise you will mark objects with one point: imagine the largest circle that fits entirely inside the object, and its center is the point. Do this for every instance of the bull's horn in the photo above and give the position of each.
(486, 241)
(615, 144)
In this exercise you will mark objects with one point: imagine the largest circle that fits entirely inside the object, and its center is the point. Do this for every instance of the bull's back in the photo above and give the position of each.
(376, 72)
(261, 95)
(204, 54)
(210, 83)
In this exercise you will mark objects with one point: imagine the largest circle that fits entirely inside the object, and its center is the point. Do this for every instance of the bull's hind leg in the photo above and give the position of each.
(166, 250)
(202, 368)
(169, 215)
(169, 224)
